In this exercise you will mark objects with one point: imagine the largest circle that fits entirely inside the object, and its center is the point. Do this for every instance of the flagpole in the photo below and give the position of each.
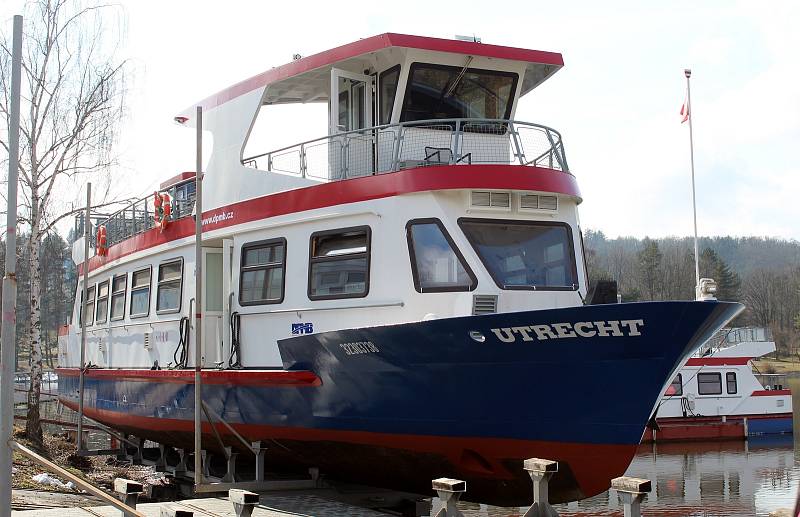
(688, 73)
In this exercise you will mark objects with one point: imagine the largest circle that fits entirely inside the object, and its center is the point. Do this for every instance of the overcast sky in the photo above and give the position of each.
(616, 100)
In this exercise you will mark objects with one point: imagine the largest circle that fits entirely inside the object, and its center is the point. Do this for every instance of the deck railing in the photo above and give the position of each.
(393, 147)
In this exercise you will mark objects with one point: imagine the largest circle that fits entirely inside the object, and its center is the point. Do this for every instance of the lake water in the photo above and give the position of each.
(750, 478)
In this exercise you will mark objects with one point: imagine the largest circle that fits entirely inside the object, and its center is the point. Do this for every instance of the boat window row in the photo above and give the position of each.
(708, 383)
(169, 286)
(518, 255)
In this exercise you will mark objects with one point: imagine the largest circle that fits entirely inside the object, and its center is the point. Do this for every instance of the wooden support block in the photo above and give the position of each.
(169, 510)
(540, 465)
(126, 486)
(631, 485)
(449, 485)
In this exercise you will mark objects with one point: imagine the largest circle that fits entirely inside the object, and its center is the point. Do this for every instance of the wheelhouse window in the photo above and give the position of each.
(388, 89)
(709, 383)
(140, 293)
(339, 264)
(262, 273)
(442, 92)
(168, 295)
(676, 387)
(102, 302)
(88, 306)
(118, 291)
(524, 254)
(730, 381)
(436, 263)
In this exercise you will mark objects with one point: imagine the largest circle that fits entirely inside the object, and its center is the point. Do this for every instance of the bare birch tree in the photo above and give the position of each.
(73, 100)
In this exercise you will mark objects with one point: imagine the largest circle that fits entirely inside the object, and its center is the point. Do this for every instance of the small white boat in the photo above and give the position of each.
(718, 395)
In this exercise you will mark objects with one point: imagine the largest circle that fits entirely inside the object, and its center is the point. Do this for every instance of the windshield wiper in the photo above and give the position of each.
(453, 86)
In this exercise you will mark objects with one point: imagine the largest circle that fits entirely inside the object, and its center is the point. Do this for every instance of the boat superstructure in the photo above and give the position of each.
(406, 289)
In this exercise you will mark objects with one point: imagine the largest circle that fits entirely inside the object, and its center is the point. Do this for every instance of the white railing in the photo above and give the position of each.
(393, 147)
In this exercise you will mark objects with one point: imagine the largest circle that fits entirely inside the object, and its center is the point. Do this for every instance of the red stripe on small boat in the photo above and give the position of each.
(771, 393)
(718, 361)
(422, 179)
(234, 377)
(373, 44)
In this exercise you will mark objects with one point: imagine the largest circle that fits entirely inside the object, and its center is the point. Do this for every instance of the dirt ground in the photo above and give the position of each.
(99, 470)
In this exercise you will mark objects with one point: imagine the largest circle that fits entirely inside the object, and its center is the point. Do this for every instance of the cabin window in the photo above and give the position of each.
(676, 388)
(89, 305)
(140, 293)
(118, 288)
(102, 302)
(436, 263)
(262, 272)
(168, 296)
(709, 384)
(339, 264)
(443, 92)
(388, 89)
(524, 254)
(730, 380)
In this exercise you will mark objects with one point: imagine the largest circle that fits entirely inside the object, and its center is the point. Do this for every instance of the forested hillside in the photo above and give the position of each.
(761, 272)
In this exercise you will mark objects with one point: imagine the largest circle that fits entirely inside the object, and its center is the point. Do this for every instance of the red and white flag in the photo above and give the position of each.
(684, 112)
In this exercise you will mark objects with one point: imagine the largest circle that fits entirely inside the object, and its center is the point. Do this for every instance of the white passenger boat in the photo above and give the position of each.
(717, 395)
(395, 301)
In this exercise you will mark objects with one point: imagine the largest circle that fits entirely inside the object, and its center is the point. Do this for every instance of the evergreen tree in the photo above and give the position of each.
(649, 258)
(728, 281)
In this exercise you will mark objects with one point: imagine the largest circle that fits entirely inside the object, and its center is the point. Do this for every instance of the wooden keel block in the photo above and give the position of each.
(631, 485)
(449, 485)
(126, 486)
(169, 510)
(540, 465)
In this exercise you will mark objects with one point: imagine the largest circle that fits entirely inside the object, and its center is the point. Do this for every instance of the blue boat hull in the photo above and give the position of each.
(467, 397)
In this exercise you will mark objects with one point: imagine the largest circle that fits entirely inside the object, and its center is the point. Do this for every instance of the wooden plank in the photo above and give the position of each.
(107, 498)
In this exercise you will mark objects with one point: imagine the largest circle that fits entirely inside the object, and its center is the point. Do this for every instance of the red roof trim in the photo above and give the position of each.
(237, 377)
(718, 361)
(373, 44)
(176, 179)
(771, 393)
(422, 179)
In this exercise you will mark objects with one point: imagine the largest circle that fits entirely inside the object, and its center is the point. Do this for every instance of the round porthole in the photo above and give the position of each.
(477, 336)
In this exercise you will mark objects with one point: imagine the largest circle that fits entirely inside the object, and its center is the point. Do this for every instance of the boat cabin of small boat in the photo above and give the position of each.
(425, 200)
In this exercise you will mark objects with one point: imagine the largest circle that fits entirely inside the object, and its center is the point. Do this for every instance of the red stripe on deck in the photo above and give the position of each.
(771, 393)
(422, 179)
(234, 377)
(718, 361)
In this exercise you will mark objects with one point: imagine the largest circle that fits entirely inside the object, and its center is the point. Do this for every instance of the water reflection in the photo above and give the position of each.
(701, 479)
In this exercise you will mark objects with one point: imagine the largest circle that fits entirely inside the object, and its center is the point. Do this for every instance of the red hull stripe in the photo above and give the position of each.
(718, 361)
(590, 462)
(448, 177)
(374, 44)
(771, 393)
(230, 377)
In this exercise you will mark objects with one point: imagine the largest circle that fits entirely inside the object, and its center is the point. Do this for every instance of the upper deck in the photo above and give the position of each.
(395, 103)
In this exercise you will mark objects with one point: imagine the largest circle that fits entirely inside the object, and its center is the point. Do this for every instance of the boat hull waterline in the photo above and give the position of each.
(467, 397)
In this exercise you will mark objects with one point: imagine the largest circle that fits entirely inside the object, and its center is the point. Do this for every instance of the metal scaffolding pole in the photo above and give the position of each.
(198, 272)
(84, 301)
(9, 326)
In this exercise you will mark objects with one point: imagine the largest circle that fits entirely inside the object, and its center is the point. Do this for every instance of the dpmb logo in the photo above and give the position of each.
(302, 328)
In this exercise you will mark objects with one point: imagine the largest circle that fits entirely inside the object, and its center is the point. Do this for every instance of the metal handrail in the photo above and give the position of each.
(340, 161)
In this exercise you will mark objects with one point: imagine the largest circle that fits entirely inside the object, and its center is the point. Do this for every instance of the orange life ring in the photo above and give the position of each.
(162, 210)
(102, 241)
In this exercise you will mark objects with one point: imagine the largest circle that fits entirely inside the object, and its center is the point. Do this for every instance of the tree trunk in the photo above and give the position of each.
(33, 426)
